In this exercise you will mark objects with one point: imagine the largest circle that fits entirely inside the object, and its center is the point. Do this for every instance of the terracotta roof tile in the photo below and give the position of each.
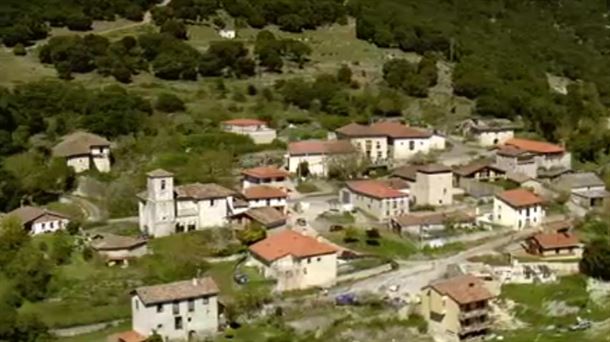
(106, 242)
(202, 191)
(534, 146)
(289, 242)
(471, 168)
(519, 198)
(130, 336)
(556, 240)
(28, 214)
(267, 216)
(179, 290)
(320, 147)
(78, 143)
(265, 172)
(463, 289)
(244, 122)
(263, 191)
(433, 168)
(374, 188)
(383, 129)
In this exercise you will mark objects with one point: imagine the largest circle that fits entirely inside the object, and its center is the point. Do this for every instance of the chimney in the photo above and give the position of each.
(195, 281)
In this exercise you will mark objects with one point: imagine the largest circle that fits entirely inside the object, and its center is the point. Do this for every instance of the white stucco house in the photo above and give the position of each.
(385, 140)
(295, 260)
(375, 197)
(260, 196)
(182, 311)
(518, 209)
(488, 132)
(227, 33)
(165, 209)
(84, 151)
(258, 130)
(265, 175)
(38, 220)
(430, 184)
(318, 155)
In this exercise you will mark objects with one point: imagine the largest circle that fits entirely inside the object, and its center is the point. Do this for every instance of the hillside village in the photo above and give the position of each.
(312, 171)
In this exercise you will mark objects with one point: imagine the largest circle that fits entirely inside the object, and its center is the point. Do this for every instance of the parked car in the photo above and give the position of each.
(240, 278)
(346, 299)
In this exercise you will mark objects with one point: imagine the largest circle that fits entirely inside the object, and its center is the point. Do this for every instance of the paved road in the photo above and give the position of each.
(412, 276)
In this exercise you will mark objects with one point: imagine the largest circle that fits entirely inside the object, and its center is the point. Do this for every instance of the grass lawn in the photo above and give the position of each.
(306, 187)
(449, 248)
(389, 245)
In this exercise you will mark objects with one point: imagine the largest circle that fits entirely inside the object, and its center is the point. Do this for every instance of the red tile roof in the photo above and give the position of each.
(383, 129)
(556, 240)
(320, 147)
(289, 242)
(263, 192)
(519, 197)
(534, 146)
(265, 172)
(374, 188)
(463, 289)
(244, 122)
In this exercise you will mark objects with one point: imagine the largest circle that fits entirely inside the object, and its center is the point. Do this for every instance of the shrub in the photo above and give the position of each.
(373, 233)
(350, 235)
(169, 103)
(19, 50)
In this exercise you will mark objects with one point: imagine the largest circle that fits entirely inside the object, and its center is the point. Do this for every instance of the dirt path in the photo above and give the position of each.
(93, 213)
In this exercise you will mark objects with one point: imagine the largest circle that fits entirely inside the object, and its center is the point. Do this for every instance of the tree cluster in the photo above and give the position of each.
(413, 79)
(23, 22)
(292, 16)
(271, 52)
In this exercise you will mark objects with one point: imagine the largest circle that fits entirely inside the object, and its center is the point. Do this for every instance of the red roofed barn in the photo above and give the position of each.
(295, 260)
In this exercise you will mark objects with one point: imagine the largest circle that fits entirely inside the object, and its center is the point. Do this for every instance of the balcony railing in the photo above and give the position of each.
(473, 313)
(473, 327)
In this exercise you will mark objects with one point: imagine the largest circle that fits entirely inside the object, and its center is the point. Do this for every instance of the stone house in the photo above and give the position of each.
(555, 245)
(318, 155)
(585, 188)
(38, 220)
(385, 140)
(488, 132)
(165, 209)
(457, 309)
(84, 151)
(518, 209)
(295, 260)
(182, 310)
(374, 197)
(265, 175)
(118, 248)
(430, 184)
(514, 160)
(255, 129)
(518, 155)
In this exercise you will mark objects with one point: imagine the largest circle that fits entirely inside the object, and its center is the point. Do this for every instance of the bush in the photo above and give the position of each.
(19, 50)
(169, 103)
(350, 235)
(373, 233)
(79, 23)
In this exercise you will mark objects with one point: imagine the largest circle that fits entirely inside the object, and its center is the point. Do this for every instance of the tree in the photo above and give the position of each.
(73, 227)
(79, 23)
(169, 103)
(155, 337)
(254, 232)
(344, 74)
(30, 272)
(595, 260)
(12, 238)
(296, 51)
(61, 248)
(175, 28)
(303, 169)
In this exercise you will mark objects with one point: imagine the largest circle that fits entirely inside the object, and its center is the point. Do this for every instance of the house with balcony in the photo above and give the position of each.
(457, 309)
(294, 260)
(258, 130)
(183, 310)
(84, 151)
(316, 157)
(265, 175)
(383, 141)
(260, 196)
(585, 188)
(377, 198)
(518, 209)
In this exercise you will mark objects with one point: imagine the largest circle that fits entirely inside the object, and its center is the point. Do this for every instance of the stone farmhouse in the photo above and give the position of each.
(255, 129)
(38, 221)
(384, 141)
(118, 249)
(457, 309)
(430, 184)
(488, 132)
(183, 310)
(318, 155)
(518, 209)
(585, 188)
(295, 260)
(374, 197)
(531, 157)
(84, 151)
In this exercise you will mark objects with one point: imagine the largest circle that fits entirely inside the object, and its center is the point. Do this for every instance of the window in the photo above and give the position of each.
(176, 308)
(163, 184)
(159, 326)
(159, 307)
(191, 305)
(309, 260)
(411, 145)
(444, 191)
(178, 323)
(319, 259)
(137, 304)
(305, 271)
(211, 203)
(206, 300)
